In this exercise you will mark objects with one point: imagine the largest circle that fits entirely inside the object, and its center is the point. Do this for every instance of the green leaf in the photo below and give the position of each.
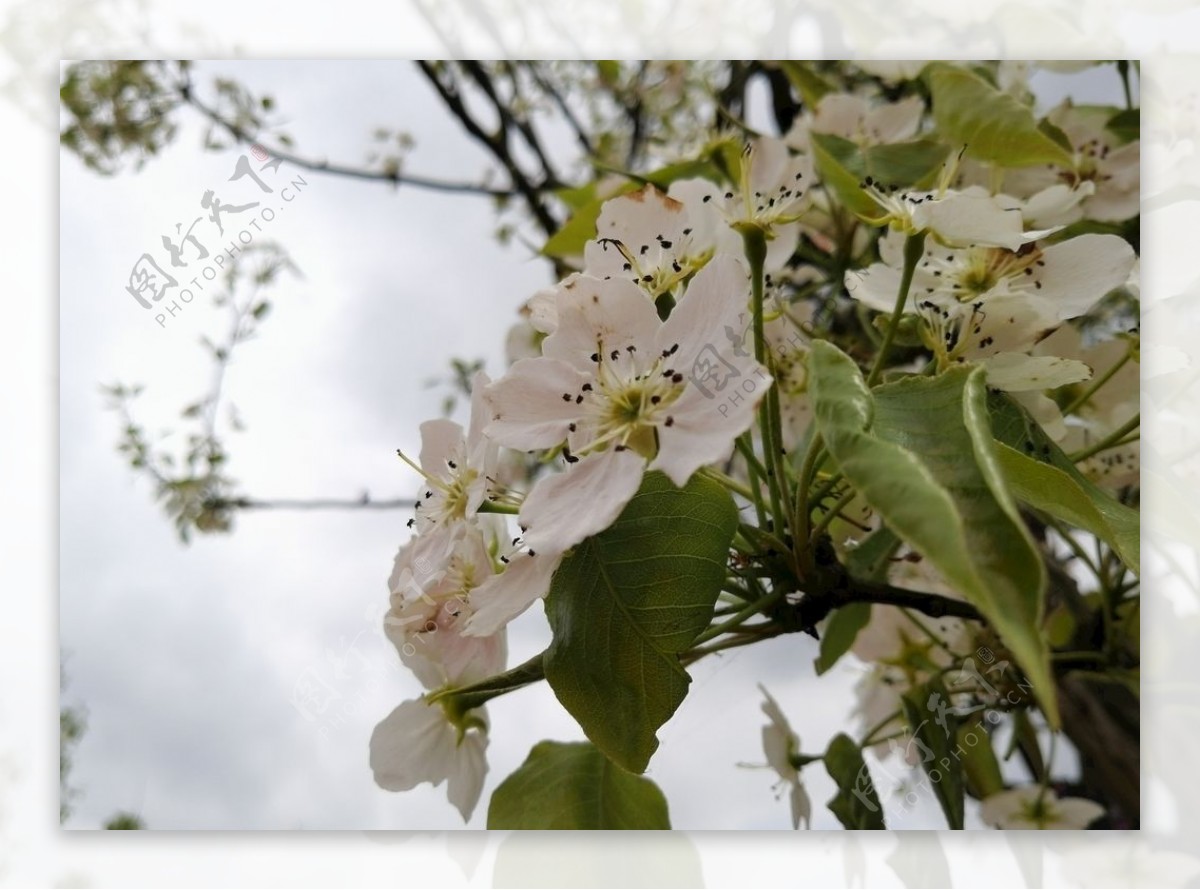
(921, 454)
(1126, 125)
(906, 163)
(580, 228)
(844, 165)
(1041, 475)
(993, 125)
(980, 766)
(923, 707)
(841, 629)
(870, 560)
(841, 169)
(856, 804)
(811, 86)
(571, 785)
(627, 602)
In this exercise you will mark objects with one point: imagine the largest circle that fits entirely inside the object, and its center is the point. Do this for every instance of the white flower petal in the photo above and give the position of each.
(961, 219)
(413, 744)
(705, 425)
(718, 298)
(1017, 372)
(440, 441)
(597, 316)
(1081, 270)
(801, 806)
(466, 778)
(1075, 813)
(565, 508)
(875, 286)
(503, 597)
(527, 404)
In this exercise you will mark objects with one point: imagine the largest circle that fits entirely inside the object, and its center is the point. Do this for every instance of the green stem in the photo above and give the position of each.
(754, 241)
(913, 246)
(1123, 70)
(831, 515)
(1110, 440)
(467, 697)
(732, 484)
(740, 617)
(1087, 394)
(754, 471)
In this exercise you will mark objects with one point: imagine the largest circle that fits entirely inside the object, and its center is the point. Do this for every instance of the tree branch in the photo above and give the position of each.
(395, 177)
(497, 144)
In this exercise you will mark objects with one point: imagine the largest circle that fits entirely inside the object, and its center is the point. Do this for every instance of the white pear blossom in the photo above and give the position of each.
(970, 216)
(781, 744)
(620, 392)
(430, 595)
(418, 742)
(656, 240)
(1033, 807)
(455, 466)
(1099, 160)
(856, 119)
(991, 305)
(774, 191)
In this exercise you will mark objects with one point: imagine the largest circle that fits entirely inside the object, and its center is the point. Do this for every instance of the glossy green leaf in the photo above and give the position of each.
(572, 785)
(935, 727)
(627, 602)
(1041, 475)
(856, 803)
(921, 454)
(992, 124)
(839, 633)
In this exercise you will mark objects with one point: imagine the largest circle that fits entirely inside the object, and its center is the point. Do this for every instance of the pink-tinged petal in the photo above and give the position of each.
(718, 298)
(534, 403)
(1017, 372)
(596, 317)
(503, 597)
(705, 422)
(440, 441)
(413, 744)
(565, 508)
(1080, 271)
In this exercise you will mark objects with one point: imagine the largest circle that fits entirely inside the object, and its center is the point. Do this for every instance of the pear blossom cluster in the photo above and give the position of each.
(643, 359)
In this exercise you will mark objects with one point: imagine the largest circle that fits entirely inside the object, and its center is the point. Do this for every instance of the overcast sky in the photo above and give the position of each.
(187, 658)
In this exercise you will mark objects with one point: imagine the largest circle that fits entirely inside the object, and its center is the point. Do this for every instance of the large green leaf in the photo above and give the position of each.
(1041, 475)
(856, 803)
(627, 602)
(992, 124)
(920, 453)
(571, 785)
(934, 724)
